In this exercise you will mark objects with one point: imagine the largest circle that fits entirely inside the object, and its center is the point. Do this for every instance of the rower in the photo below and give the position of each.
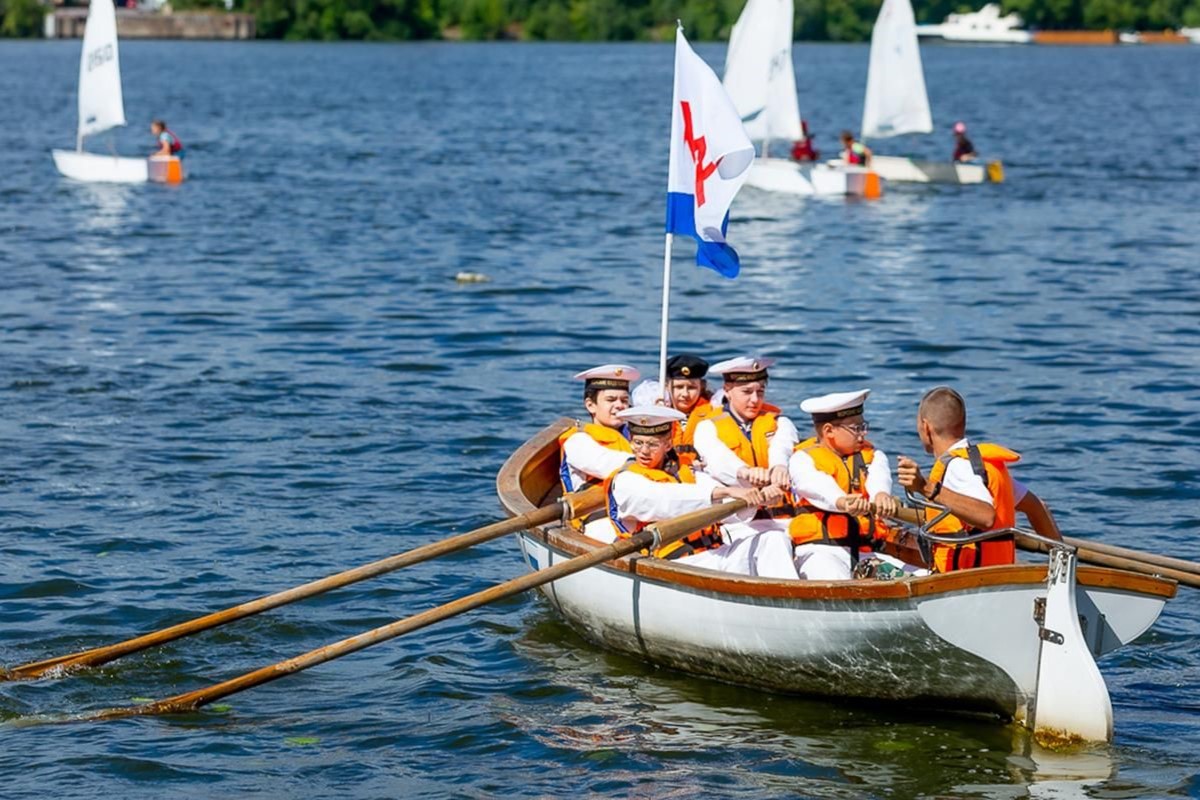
(689, 395)
(836, 475)
(654, 486)
(590, 452)
(746, 441)
(973, 482)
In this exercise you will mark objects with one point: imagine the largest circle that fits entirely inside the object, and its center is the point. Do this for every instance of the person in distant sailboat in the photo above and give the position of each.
(963, 149)
(802, 149)
(855, 152)
(168, 142)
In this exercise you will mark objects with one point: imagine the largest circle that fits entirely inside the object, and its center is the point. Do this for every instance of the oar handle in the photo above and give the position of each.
(571, 505)
(654, 536)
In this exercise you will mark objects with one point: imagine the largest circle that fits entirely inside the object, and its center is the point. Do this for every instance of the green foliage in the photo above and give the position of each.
(21, 18)
(617, 20)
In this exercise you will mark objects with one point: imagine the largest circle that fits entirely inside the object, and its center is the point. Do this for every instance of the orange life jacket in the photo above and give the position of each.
(705, 539)
(990, 462)
(813, 524)
(604, 435)
(751, 450)
(684, 434)
(754, 451)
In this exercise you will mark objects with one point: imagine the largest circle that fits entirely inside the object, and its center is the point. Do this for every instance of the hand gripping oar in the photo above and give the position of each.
(653, 537)
(569, 507)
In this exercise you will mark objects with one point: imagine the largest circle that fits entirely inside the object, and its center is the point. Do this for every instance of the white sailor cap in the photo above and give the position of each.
(743, 369)
(650, 420)
(609, 376)
(839, 405)
(647, 393)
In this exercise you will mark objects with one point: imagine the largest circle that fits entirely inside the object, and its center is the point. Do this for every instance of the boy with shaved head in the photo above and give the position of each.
(973, 482)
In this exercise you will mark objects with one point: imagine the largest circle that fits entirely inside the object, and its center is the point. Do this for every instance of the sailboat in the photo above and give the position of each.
(897, 103)
(102, 106)
(761, 81)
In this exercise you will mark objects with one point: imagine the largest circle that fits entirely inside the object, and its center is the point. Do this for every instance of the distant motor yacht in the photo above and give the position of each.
(984, 26)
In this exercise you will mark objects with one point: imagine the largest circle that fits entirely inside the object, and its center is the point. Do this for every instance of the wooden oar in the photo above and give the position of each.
(572, 505)
(1087, 552)
(1105, 555)
(653, 538)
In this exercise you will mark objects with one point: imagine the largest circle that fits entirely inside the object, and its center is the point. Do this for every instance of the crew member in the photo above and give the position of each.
(854, 152)
(963, 149)
(168, 142)
(590, 452)
(690, 396)
(802, 149)
(654, 486)
(746, 441)
(836, 476)
(973, 482)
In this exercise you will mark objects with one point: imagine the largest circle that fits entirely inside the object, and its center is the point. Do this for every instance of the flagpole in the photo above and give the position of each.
(666, 314)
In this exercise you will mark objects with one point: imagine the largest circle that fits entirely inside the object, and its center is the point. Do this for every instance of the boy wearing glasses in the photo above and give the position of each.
(836, 475)
(654, 486)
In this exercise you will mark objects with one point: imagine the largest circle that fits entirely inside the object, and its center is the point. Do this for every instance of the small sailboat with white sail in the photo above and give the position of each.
(897, 102)
(102, 107)
(761, 80)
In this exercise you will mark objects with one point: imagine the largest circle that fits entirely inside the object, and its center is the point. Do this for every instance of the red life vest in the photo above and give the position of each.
(174, 143)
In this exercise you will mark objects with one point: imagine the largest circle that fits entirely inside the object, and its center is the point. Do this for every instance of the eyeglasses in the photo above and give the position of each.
(645, 444)
(858, 429)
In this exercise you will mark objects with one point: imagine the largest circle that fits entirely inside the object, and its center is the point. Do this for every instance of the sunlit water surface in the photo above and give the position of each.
(269, 374)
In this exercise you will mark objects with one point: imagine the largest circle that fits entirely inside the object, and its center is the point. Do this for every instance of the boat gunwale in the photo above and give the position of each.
(518, 470)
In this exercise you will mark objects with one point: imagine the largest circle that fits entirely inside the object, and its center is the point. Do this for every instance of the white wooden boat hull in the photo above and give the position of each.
(787, 177)
(95, 168)
(965, 640)
(907, 170)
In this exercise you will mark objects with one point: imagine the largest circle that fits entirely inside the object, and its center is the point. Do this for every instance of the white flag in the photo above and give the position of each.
(710, 159)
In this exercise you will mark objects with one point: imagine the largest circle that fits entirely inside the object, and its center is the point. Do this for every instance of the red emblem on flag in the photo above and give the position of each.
(699, 149)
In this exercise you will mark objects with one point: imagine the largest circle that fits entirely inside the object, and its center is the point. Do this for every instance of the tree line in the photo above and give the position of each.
(620, 20)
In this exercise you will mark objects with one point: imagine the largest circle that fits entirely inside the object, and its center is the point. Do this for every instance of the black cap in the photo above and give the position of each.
(686, 366)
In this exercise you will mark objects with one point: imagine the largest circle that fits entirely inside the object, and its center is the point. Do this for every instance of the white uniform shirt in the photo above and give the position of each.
(961, 478)
(723, 464)
(821, 490)
(641, 500)
(587, 459)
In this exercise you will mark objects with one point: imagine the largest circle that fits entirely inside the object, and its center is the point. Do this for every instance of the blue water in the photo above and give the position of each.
(269, 374)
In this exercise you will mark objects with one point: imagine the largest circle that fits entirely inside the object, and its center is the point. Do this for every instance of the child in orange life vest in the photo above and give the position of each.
(654, 486)
(972, 480)
(836, 475)
(689, 394)
(746, 441)
(590, 452)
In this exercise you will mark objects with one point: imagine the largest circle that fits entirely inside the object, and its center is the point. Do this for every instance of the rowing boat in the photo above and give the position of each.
(978, 640)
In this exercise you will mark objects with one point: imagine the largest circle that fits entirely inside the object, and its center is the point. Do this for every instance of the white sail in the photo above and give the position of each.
(896, 101)
(759, 75)
(101, 105)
